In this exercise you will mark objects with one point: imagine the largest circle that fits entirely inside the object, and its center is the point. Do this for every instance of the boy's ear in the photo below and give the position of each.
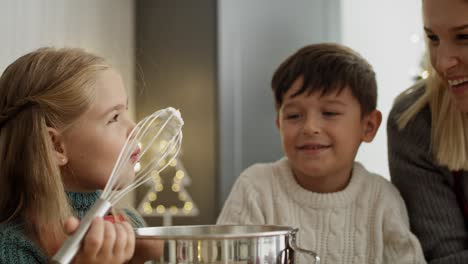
(59, 146)
(371, 123)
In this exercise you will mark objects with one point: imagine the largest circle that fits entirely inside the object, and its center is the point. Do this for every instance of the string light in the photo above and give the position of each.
(174, 210)
(182, 197)
(162, 145)
(425, 74)
(152, 205)
(175, 187)
(158, 187)
(152, 197)
(156, 177)
(180, 174)
(415, 38)
(160, 209)
(188, 207)
(147, 208)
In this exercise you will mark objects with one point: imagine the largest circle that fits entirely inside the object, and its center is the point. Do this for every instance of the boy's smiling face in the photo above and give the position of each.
(321, 135)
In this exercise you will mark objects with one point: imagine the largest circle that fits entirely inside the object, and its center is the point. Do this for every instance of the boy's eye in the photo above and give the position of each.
(462, 36)
(292, 116)
(329, 113)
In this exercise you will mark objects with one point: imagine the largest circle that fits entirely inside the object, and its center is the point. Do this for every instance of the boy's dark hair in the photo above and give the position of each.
(327, 67)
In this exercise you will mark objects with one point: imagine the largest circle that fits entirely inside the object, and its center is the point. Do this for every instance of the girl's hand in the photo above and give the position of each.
(105, 242)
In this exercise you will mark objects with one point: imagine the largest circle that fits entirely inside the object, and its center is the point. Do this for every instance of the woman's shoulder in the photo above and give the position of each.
(16, 247)
(407, 98)
(418, 126)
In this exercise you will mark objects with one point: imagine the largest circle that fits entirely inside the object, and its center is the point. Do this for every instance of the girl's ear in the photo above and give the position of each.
(371, 123)
(59, 146)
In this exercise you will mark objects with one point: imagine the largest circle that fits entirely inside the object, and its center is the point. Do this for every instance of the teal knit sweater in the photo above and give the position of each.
(16, 247)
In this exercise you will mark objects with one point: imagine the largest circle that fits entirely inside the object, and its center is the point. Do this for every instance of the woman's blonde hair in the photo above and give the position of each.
(449, 125)
(47, 88)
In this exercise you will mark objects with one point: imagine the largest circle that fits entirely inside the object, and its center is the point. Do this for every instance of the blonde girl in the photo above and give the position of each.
(63, 121)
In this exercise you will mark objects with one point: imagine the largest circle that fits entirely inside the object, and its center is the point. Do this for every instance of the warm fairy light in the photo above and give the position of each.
(424, 74)
(415, 38)
(156, 177)
(162, 163)
(147, 208)
(158, 187)
(182, 196)
(188, 207)
(179, 174)
(199, 247)
(152, 196)
(173, 151)
(162, 145)
(174, 210)
(160, 209)
(153, 204)
(175, 187)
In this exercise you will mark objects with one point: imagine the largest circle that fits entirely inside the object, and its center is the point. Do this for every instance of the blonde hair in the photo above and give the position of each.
(45, 88)
(449, 125)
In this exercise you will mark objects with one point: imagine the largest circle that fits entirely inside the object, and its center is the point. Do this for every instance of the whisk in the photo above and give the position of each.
(161, 129)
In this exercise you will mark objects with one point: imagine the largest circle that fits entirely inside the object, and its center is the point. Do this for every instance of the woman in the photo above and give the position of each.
(428, 138)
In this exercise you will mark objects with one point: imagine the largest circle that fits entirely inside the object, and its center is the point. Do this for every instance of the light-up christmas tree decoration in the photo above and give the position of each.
(167, 196)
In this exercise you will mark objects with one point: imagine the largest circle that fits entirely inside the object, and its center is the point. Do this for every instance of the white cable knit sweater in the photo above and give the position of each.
(366, 222)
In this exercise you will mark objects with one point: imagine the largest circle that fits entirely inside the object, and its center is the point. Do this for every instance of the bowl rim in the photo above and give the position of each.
(205, 232)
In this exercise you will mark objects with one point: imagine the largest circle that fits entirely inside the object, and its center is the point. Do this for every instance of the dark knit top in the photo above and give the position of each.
(435, 196)
(16, 247)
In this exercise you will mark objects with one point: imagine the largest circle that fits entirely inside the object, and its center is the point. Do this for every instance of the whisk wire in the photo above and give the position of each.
(141, 177)
(129, 147)
(172, 147)
(153, 139)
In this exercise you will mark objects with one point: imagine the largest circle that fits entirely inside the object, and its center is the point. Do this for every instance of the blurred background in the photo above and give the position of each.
(214, 60)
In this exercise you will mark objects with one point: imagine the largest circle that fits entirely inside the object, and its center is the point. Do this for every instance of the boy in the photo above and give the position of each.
(325, 99)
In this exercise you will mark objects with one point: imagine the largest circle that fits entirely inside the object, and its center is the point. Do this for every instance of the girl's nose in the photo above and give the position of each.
(131, 126)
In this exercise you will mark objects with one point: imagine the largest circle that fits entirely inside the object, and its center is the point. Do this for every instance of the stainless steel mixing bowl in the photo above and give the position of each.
(228, 244)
